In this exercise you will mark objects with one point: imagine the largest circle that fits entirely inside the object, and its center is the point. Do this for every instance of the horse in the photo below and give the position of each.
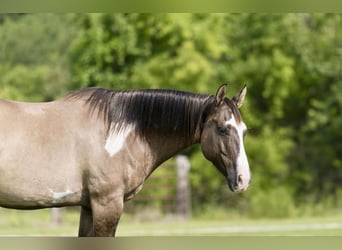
(95, 147)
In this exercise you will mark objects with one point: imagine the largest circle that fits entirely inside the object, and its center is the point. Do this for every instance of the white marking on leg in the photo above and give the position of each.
(115, 141)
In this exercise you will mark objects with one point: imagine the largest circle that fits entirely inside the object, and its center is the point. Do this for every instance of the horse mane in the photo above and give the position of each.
(171, 112)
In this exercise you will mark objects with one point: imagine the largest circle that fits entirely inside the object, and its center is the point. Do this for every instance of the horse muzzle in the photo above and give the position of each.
(240, 183)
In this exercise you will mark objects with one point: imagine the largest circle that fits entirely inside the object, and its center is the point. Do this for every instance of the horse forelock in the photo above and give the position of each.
(234, 109)
(169, 111)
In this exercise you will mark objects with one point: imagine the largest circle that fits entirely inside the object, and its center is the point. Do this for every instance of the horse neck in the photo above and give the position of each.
(163, 147)
(165, 144)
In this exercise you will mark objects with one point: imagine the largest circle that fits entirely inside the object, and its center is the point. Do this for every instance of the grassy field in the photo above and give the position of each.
(38, 223)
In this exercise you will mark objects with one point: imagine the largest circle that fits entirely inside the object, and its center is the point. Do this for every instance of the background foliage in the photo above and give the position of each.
(292, 64)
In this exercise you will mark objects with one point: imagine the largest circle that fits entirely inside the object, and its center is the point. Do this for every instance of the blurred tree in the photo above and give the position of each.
(34, 55)
(146, 50)
(316, 164)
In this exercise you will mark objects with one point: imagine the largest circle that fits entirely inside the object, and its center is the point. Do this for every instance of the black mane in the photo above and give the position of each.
(171, 112)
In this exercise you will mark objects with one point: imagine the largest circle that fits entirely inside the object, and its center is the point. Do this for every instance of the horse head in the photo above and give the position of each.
(222, 137)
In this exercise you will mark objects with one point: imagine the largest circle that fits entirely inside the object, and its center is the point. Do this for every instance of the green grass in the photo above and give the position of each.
(38, 223)
(324, 226)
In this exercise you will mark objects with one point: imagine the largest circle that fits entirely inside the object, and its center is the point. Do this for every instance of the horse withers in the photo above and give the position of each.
(95, 147)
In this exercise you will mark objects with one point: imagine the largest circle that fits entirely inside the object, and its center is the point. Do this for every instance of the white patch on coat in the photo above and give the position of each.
(242, 162)
(56, 196)
(116, 140)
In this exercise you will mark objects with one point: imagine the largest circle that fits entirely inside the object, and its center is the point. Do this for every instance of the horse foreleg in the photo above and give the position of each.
(86, 227)
(106, 213)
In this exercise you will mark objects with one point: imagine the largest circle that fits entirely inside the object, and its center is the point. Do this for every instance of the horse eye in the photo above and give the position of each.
(223, 130)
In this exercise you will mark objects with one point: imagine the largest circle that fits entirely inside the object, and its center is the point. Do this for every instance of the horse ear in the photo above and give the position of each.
(221, 94)
(240, 97)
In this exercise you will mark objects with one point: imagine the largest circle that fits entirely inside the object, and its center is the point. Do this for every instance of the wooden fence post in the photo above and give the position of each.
(183, 207)
(56, 216)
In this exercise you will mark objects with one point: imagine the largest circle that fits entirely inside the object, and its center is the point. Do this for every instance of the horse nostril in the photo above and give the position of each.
(240, 180)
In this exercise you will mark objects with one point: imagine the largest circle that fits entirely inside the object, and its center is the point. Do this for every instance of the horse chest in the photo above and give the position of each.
(134, 180)
(131, 157)
(133, 192)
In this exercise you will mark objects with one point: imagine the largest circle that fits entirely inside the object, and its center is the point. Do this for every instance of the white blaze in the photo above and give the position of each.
(242, 162)
(116, 140)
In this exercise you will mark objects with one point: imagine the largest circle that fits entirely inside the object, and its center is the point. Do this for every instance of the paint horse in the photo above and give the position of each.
(94, 148)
